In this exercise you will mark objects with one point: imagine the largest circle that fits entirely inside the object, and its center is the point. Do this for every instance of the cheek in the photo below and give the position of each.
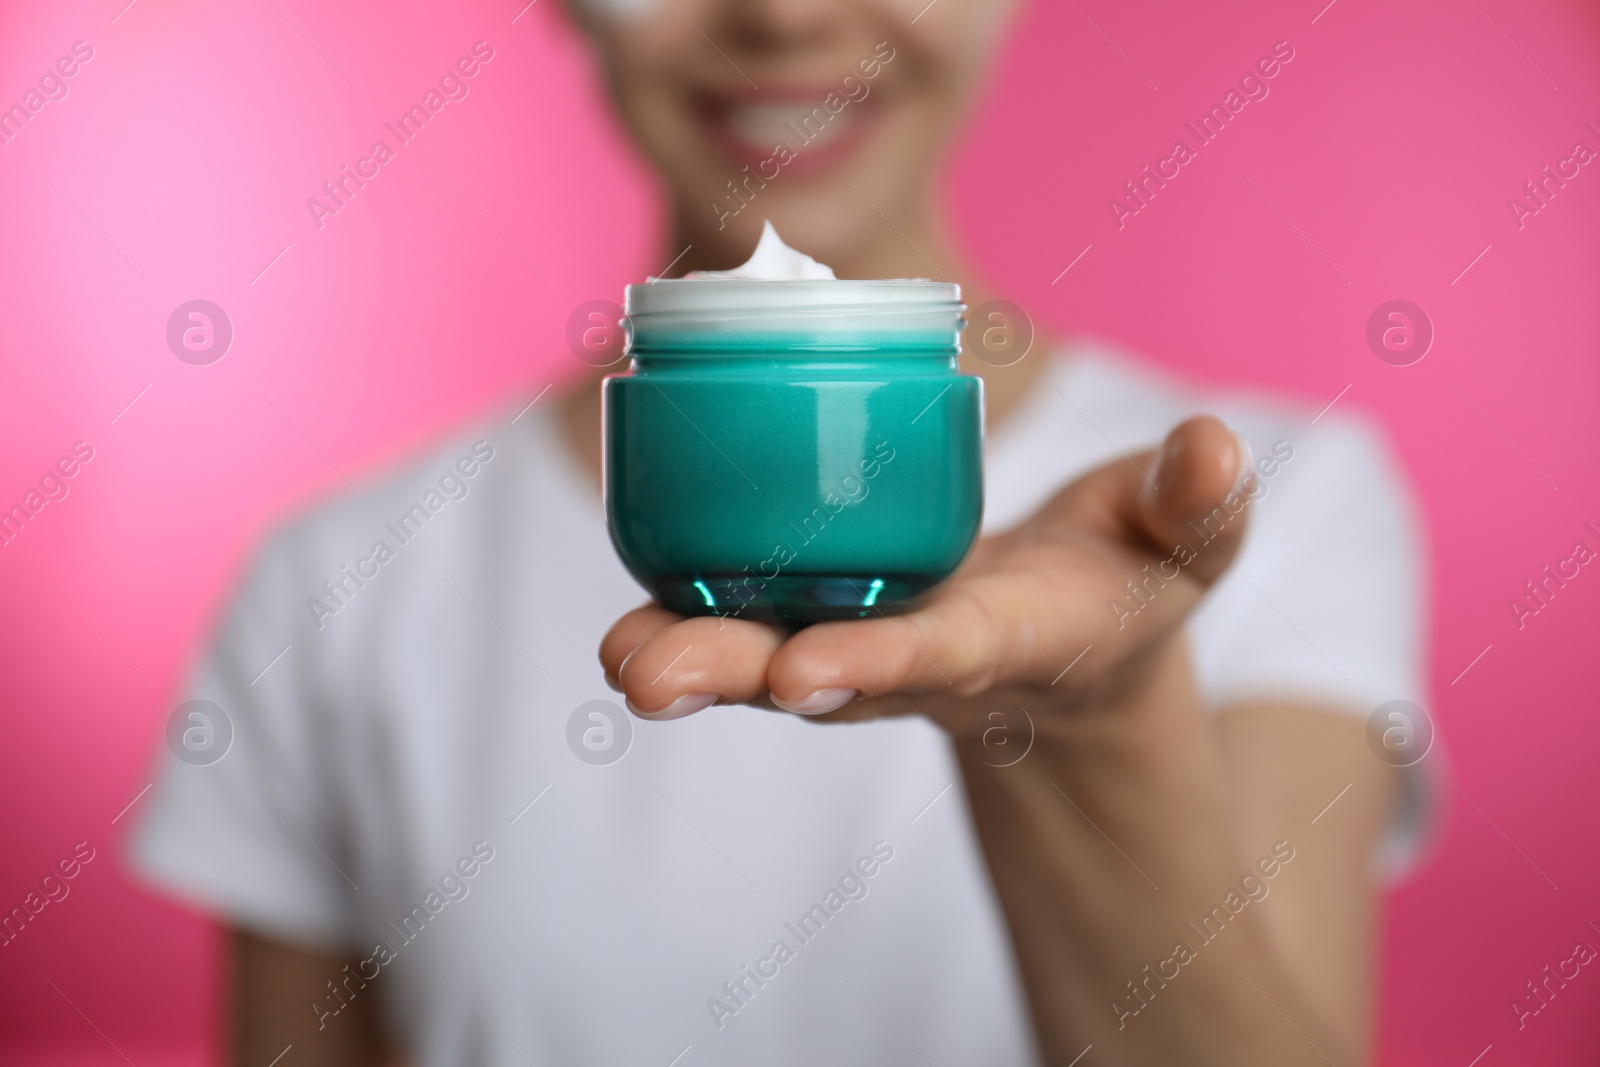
(921, 95)
(650, 59)
(652, 103)
(960, 47)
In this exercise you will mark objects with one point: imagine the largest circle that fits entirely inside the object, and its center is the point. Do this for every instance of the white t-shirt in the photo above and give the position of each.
(404, 770)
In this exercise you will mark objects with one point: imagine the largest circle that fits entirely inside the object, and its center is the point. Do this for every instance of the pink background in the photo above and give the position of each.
(193, 138)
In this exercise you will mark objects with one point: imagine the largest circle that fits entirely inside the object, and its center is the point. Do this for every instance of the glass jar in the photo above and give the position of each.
(792, 450)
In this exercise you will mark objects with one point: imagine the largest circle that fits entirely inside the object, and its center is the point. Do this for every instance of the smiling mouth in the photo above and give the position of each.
(749, 130)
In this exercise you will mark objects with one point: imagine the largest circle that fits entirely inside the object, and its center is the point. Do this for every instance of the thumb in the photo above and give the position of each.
(1196, 501)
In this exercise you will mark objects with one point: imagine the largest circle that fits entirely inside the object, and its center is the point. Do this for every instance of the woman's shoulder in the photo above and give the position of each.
(405, 494)
(1326, 468)
(1095, 402)
(1133, 395)
(435, 502)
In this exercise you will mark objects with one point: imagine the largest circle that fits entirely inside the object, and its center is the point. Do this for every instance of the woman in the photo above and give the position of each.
(1108, 789)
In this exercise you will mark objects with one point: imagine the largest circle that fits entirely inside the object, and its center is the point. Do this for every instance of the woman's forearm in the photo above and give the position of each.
(1111, 849)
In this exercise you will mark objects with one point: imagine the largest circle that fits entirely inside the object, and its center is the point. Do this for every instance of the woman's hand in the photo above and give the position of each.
(1068, 604)
(1134, 811)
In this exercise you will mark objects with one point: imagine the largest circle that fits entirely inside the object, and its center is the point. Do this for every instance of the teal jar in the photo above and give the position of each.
(792, 450)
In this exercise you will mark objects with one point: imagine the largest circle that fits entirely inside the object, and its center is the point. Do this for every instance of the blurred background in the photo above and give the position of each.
(175, 162)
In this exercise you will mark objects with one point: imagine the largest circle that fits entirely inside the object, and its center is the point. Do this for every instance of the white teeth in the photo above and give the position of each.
(762, 126)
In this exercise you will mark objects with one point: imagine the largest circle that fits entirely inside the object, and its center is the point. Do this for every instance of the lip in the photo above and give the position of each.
(711, 111)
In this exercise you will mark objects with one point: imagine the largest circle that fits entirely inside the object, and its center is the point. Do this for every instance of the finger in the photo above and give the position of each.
(1184, 499)
(1198, 495)
(627, 634)
(691, 664)
(954, 644)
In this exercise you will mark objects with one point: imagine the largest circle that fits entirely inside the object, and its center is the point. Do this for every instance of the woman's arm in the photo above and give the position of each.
(1289, 764)
(281, 998)
(1126, 850)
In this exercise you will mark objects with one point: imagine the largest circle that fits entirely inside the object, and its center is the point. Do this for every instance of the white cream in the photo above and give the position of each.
(772, 261)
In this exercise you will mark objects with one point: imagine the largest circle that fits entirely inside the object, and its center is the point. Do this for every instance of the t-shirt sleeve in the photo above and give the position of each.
(1326, 600)
(240, 821)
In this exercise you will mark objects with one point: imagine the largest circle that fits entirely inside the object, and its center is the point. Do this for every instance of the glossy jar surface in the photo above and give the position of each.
(793, 460)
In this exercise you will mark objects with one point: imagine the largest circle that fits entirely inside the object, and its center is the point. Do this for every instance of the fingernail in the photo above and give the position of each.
(818, 703)
(687, 704)
(1169, 457)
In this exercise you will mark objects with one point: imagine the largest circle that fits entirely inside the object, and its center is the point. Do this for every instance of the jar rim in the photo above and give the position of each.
(740, 297)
